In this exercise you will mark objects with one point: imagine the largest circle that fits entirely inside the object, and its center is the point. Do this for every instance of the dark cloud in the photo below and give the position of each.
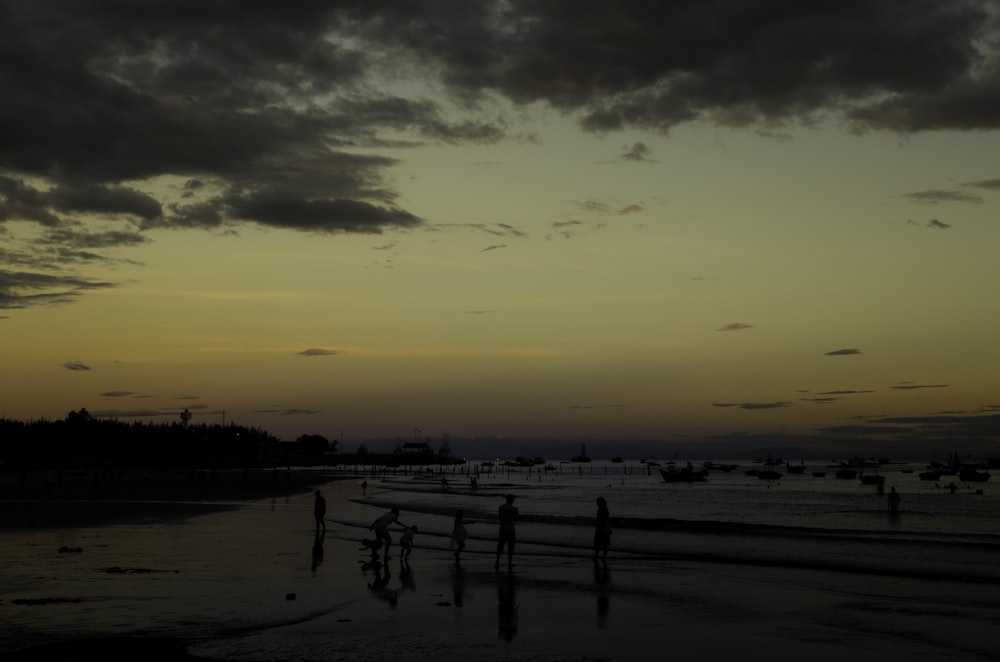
(933, 223)
(493, 248)
(300, 412)
(844, 352)
(316, 351)
(847, 392)
(76, 365)
(820, 401)
(934, 197)
(638, 152)
(597, 207)
(753, 405)
(116, 394)
(20, 289)
(290, 411)
(735, 326)
(911, 387)
(275, 113)
(990, 184)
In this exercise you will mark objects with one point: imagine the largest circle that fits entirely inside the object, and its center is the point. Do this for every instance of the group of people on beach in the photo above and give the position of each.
(506, 537)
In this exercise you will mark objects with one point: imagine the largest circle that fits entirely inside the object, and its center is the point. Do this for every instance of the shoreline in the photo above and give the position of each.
(226, 596)
(43, 500)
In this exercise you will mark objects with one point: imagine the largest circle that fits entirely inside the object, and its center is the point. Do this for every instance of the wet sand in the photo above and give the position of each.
(254, 583)
(51, 500)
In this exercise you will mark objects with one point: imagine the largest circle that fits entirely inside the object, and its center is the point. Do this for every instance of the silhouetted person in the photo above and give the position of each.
(406, 543)
(893, 500)
(381, 529)
(364, 488)
(458, 535)
(319, 511)
(506, 538)
(602, 530)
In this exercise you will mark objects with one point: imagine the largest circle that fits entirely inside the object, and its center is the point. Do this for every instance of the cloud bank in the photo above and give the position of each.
(120, 118)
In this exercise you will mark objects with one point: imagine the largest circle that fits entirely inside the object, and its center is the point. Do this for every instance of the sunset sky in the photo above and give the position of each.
(689, 221)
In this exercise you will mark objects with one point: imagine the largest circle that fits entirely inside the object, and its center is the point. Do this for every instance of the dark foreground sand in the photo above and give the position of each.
(551, 606)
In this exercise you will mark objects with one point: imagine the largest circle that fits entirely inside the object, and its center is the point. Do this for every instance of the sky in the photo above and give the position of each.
(689, 222)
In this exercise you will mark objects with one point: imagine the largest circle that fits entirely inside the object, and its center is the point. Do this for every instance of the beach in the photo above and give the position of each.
(226, 570)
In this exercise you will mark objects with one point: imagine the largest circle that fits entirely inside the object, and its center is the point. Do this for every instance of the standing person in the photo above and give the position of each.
(406, 543)
(893, 500)
(381, 529)
(319, 511)
(364, 488)
(602, 532)
(458, 534)
(508, 515)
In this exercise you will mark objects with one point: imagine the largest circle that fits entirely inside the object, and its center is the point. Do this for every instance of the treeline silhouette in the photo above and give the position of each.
(81, 441)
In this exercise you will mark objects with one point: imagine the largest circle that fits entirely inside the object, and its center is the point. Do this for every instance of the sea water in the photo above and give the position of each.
(800, 520)
(252, 584)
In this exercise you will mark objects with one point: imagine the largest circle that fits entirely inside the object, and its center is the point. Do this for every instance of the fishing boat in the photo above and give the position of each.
(872, 479)
(582, 457)
(770, 473)
(715, 466)
(971, 475)
(688, 474)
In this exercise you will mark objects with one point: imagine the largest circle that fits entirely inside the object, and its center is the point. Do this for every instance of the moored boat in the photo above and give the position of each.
(971, 475)
(872, 479)
(671, 474)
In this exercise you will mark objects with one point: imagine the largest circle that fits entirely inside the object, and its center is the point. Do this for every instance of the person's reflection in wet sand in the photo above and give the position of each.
(506, 606)
(379, 585)
(317, 553)
(406, 581)
(457, 585)
(602, 589)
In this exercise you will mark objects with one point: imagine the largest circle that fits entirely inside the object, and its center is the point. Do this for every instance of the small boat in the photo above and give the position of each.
(970, 475)
(872, 479)
(930, 475)
(819, 474)
(617, 459)
(685, 475)
(769, 473)
(714, 466)
(796, 468)
(582, 457)
(846, 473)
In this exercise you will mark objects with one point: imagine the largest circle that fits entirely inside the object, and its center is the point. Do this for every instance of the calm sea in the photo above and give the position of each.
(800, 520)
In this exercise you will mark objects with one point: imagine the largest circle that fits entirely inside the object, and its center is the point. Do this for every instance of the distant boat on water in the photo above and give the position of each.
(688, 474)
(582, 457)
(970, 475)
(872, 479)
